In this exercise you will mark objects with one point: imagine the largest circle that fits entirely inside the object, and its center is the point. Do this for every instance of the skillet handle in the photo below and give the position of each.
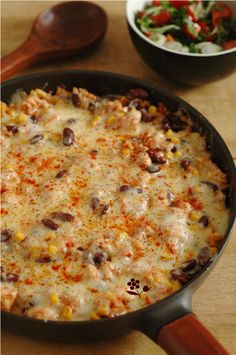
(188, 336)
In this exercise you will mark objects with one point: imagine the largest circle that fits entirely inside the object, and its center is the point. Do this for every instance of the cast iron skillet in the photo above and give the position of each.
(170, 322)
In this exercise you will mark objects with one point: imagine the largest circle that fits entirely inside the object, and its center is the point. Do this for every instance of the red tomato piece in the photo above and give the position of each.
(192, 13)
(156, 3)
(203, 26)
(229, 44)
(179, 3)
(220, 11)
(191, 31)
(162, 18)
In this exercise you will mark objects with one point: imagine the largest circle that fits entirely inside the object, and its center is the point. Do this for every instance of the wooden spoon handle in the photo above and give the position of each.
(19, 59)
(188, 336)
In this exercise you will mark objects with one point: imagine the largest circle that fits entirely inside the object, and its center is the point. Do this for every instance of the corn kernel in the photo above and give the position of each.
(194, 228)
(52, 249)
(8, 166)
(94, 316)
(95, 120)
(175, 140)
(168, 283)
(21, 119)
(169, 133)
(167, 257)
(67, 312)
(157, 279)
(177, 154)
(54, 298)
(19, 236)
(9, 111)
(51, 283)
(111, 119)
(126, 151)
(169, 155)
(56, 137)
(195, 171)
(198, 188)
(3, 107)
(152, 110)
(194, 216)
(102, 311)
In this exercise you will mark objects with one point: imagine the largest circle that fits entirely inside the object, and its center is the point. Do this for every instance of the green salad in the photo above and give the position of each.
(193, 26)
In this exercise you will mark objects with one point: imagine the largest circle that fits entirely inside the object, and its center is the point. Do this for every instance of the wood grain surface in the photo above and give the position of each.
(215, 301)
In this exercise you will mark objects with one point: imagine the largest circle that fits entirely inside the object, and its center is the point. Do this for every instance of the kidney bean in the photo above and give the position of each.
(174, 122)
(75, 99)
(65, 217)
(92, 107)
(185, 163)
(12, 277)
(12, 129)
(104, 209)
(36, 139)
(94, 202)
(189, 265)
(178, 274)
(153, 168)
(146, 117)
(203, 256)
(34, 118)
(44, 260)
(68, 136)
(80, 249)
(71, 120)
(174, 149)
(157, 157)
(137, 93)
(50, 224)
(204, 220)
(99, 258)
(213, 186)
(124, 188)
(60, 174)
(137, 103)
(6, 234)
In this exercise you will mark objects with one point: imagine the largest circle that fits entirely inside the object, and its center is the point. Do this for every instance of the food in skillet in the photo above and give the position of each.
(108, 204)
(193, 26)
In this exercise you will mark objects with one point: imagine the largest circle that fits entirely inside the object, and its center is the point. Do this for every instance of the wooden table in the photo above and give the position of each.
(215, 301)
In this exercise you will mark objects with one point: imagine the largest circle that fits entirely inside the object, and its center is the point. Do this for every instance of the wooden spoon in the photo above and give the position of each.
(58, 32)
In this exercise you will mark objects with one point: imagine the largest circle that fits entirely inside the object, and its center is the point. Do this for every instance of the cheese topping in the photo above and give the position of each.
(108, 205)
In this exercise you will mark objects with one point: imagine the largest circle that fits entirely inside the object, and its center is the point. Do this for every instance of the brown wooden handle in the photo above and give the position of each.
(188, 336)
(21, 58)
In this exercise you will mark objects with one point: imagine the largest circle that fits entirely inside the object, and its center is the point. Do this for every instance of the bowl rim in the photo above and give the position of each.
(131, 22)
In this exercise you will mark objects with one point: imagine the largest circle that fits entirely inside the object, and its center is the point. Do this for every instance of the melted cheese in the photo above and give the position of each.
(80, 269)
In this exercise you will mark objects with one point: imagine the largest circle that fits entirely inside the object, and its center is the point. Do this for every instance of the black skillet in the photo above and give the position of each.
(170, 322)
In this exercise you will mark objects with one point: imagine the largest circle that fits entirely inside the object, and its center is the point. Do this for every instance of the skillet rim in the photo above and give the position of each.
(151, 88)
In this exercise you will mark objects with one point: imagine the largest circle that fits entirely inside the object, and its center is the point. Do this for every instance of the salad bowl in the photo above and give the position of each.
(185, 67)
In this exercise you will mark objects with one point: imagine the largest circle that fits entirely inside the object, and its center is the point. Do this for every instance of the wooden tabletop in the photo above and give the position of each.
(215, 301)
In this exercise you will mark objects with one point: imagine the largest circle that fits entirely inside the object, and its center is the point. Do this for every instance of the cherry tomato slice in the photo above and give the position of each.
(192, 13)
(179, 3)
(229, 44)
(156, 3)
(219, 12)
(162, 18)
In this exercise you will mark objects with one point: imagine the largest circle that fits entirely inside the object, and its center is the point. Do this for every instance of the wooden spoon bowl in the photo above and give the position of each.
(61, 31)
